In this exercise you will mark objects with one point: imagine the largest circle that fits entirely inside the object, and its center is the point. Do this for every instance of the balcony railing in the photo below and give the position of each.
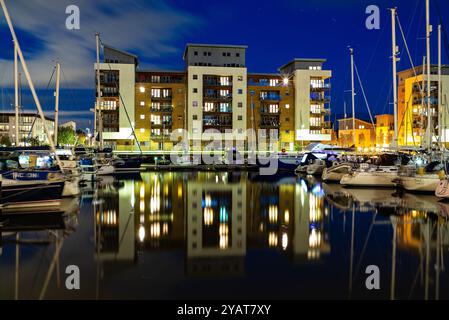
(217, 97)
(217, 83)
(268, 111)
(218, 110)
(216, 123)
(162, 109)
(320, 87)
(159, 136)
(162, 124)
(169, 97)
(271, 97)
(269, 124)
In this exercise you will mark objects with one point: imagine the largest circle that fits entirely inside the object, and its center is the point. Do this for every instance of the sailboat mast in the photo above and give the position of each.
(394, 50)
(30, 83)
(351, 50)
(58, 75)
(16, 95)
(441, 128)
(429, 114)
(100, 120)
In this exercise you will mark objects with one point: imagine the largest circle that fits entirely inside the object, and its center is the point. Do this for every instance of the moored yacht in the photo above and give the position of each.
(371, 176)
(337, 171)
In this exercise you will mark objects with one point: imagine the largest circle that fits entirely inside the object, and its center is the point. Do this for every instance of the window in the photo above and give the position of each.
(155, 105)
(195, 77)
(208, 106)
(166, 93)
(155, 119)
(224, 93)
(205, 53)
(237, 54)
(195, 117)
(224, 54)
(209, 54)
(274, 108)
(195, 90)
(228, 54)
(287, 106)
(195, 53)
(239, 118)
(240, 91)
(240, 104)
(315, 108)
(287, 119)
(274, 82)
(195, 103)
(225, 81)
(240, 78)
(142, 103)
(155, 93)
(142, 89)
(142, 117)
(142, 130)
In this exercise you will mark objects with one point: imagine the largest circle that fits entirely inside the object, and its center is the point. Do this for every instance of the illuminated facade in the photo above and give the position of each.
(364, 134)
(384, 130)
(412, 105)
(214, 92)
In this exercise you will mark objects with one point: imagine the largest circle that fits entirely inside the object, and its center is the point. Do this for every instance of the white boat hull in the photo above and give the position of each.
(105, 169)
(424, 183)
(369, 179)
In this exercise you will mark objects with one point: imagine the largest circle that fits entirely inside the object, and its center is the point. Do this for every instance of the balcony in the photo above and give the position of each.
(167, 109)
(159, 136)
(271, 97)
(269, 124)
(161, 98)
(217, 123)
(269, 112)
(320, 87)
(217, 83)
(319, 98)
(167, 123)
(219, 97)
(217, 110)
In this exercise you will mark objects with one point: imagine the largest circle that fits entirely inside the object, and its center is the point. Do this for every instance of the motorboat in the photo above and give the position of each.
(30, 193)
(337, 171)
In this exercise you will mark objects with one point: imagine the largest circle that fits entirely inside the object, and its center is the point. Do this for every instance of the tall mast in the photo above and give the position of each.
(351, 50)
(394, 50)
(441, 128)
(429, 114)
(30, 83)
(16, 95)
(98, 104)
(58, 72)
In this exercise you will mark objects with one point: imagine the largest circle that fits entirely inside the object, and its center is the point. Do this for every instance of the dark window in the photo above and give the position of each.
(205, 53)
(195, 77)
(239, 117)
(224, 54)
(195, 117)
(209, 54)
(237, 54)
(240, 91)
(195, 90)
(287, 119)
(195, 53)
(228, 54)
(240, 104)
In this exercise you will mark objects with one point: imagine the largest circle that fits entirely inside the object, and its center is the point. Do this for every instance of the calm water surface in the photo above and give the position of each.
(215, 235)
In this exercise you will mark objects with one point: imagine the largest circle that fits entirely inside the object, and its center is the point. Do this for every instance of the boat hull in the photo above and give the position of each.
(420, 183)
(31, 194)
(442, 189)
(368, 179)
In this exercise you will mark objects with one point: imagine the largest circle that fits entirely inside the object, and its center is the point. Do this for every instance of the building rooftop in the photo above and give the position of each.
(188, 45)
(24, 114)
(299, 60)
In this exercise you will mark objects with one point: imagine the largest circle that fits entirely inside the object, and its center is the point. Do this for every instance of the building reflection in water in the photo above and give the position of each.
(215, 218)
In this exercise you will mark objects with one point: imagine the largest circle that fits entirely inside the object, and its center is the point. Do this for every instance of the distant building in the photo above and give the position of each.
(69, 124)
(364, 134)
(30, 126)
(412, 105)
(384, 130)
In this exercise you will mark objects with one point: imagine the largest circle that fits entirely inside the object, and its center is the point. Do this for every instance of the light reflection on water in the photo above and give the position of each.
(230, 235)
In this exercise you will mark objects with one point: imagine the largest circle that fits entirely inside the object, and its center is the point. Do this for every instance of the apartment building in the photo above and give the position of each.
(412, 106)
(30, 126)
(214, 94)
(363, 138)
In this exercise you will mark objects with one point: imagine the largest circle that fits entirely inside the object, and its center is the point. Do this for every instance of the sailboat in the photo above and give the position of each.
(425, 180)
(29, 192)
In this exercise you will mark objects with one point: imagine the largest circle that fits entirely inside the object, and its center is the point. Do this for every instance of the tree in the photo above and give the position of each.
(66, 136)
(5, 140)
(32, 141)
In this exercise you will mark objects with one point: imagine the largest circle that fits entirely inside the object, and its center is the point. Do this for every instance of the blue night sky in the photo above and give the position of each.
(157, 31)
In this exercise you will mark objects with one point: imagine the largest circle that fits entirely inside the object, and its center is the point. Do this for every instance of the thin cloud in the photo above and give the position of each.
(143, 27)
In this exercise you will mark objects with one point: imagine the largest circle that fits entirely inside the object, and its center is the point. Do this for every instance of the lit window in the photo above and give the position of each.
(142, 117)
(142, 130)
(142, 89)
(273, 82)
(142, 103)
(287, 106)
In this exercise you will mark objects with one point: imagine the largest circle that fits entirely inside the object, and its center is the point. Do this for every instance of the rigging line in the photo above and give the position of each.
(124, 106)
(363, 93)
(440, 18)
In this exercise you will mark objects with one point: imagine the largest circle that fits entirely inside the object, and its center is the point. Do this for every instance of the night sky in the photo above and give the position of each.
(157, 31)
